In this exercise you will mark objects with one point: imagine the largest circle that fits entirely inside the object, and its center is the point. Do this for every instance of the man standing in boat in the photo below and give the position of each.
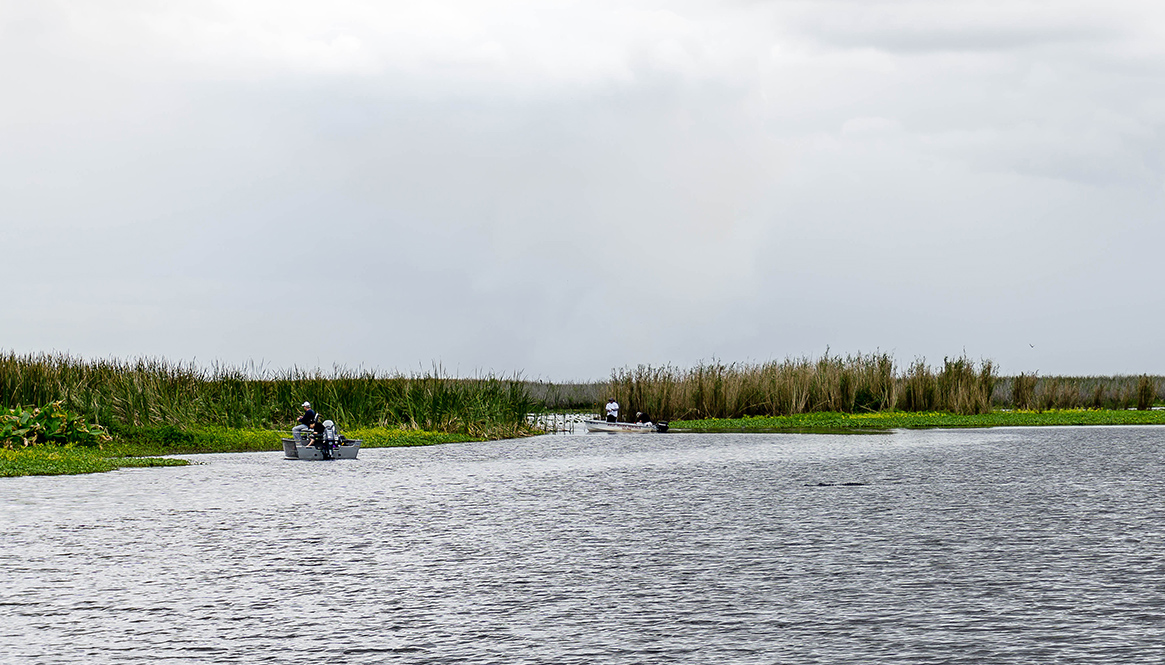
(305, 422)
(612, 410)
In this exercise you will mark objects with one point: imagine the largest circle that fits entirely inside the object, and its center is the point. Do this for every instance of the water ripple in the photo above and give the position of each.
(996, 546)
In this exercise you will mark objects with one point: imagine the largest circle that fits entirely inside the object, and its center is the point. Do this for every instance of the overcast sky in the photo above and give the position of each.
(561, 188)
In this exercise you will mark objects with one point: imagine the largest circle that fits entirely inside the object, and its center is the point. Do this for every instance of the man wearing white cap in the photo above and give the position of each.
(305, 422)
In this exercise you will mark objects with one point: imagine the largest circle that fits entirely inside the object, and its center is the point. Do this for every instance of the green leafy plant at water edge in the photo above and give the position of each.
(49, 424)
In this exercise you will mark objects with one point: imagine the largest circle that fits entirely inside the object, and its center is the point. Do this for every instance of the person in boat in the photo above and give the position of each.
(643, 418)
(305, 423)
(612, 410)
(319, 438)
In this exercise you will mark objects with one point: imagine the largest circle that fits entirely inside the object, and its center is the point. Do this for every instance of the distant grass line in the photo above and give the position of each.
(888, 420)
(567, 396)
(1040, 393)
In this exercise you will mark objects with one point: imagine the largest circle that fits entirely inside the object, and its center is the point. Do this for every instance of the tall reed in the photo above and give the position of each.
(1030, 391)
(964, 389)
(919, 388)
(155, 392)
(1146, 393)
(861, 383)
(857, 383)
(1023, 391)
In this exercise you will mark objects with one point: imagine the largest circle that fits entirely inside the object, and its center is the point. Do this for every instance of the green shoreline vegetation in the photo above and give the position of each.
(891, 420)
(151, 407)
(64, 415)
(151, 447)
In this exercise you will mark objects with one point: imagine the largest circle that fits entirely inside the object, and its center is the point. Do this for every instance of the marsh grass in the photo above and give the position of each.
(566, 396)
(718, 390)
(161, 402)
(861, 384)
(145, 393)
(1146, 393)
(1076, 392)
(853, 384)
(1023, 391)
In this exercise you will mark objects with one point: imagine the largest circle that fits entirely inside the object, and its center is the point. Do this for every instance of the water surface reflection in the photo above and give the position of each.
(987, 546)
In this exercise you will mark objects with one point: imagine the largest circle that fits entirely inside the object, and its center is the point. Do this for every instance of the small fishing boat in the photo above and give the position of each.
(326, 445)
(604, 426)
(345, 449)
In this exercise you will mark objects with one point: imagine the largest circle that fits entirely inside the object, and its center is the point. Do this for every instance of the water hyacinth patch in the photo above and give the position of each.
(58, 461)
(49, 424)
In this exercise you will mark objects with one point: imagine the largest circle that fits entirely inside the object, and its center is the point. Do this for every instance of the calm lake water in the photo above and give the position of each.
(983, 546)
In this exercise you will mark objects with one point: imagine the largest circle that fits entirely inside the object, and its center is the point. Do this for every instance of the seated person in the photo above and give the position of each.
(641, 417)
(305, 423)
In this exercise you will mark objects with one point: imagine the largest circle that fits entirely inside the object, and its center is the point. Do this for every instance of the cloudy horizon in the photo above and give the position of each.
(559, 188)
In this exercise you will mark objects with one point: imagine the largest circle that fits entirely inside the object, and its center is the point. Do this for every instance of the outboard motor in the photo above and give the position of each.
(330, 440)
(661, 426)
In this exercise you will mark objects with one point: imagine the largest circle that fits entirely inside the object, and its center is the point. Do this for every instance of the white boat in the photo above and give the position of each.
(604, 426)
(346, 449)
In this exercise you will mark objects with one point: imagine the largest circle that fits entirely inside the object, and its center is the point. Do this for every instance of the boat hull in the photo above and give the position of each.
(293, 449)
(604, 426)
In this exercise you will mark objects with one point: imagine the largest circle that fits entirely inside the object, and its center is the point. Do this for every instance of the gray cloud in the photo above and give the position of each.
(562, 190)
(919, 28)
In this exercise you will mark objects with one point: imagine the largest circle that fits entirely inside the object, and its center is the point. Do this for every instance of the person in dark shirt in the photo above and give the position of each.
(305, 422)
(319, 440)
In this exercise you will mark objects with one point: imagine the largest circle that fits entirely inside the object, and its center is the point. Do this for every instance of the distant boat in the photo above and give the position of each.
(604, 426)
